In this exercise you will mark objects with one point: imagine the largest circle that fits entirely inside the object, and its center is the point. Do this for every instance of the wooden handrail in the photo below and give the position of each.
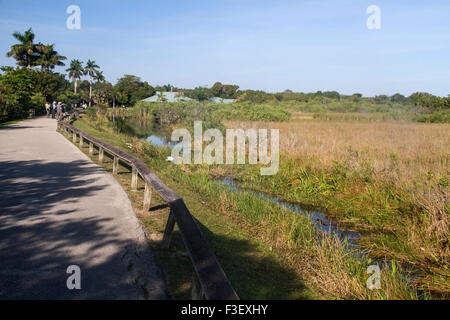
(213, 282)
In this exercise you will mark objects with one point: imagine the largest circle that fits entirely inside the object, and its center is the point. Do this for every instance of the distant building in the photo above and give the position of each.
(167, 97)
(179, 97)
(221, 100)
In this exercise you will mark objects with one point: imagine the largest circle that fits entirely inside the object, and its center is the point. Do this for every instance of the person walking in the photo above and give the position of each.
(53, 109)
(47, 109)
(58, 111)
(63, 110)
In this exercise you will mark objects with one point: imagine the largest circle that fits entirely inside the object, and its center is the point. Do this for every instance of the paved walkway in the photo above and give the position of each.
(58, 208)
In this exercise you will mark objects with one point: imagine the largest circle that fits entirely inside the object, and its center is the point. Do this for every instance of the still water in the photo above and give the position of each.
(321, 222)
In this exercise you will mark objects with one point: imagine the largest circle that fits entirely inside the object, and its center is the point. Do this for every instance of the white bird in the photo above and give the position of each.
(170, 159)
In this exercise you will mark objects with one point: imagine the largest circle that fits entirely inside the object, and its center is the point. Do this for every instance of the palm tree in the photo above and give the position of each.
(26, 52)
(91, 70)
(99, 78)
(75, 72)
(49, 58)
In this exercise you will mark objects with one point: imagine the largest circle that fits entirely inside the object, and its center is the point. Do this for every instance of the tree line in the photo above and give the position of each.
(34, 82)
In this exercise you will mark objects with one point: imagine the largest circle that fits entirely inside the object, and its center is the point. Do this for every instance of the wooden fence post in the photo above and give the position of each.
(81, 141)
(91, 148)
(147, 197)
(196, 289)
(74, 137)
(134, 179)
(115, 165)
(101, 153)
(169, 230)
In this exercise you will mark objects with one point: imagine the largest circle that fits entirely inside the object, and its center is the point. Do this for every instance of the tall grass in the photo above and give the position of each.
(389, 180)
(325, 264)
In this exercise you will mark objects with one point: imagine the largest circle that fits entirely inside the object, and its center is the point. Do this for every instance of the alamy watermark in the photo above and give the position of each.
(374, 281)
(374, 20)
(73, 22)
(213, 153)
(74, 280)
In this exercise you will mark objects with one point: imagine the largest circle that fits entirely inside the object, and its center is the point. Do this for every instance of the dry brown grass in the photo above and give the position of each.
(417, 148)
(413, 156)
(410, 158)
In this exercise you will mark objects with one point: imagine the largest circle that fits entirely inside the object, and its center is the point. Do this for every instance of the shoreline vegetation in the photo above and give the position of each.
(365, 194)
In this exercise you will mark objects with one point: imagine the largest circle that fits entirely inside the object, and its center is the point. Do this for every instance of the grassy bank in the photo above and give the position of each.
(8, 123)
(266, 251)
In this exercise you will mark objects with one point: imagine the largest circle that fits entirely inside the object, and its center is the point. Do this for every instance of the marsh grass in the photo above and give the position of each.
(266, 251)
(387, 180)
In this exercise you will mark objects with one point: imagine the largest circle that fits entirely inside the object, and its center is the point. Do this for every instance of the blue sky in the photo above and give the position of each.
(270, 45)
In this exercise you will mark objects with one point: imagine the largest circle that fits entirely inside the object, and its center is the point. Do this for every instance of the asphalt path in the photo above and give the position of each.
(59, 209)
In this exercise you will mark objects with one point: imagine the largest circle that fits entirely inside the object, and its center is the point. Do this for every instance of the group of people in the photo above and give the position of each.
(81, 105)
(56, 110)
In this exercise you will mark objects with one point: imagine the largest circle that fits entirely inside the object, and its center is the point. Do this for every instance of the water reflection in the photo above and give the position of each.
(160, 141)
(320, 220)
(144, 129)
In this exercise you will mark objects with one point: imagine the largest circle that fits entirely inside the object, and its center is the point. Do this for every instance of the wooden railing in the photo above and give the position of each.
(209, 281)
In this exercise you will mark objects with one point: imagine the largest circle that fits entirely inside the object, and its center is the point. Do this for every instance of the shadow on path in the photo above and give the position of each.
(42, 233)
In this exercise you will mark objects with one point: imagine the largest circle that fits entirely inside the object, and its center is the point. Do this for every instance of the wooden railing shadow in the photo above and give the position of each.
(42, 233)
(209, 281)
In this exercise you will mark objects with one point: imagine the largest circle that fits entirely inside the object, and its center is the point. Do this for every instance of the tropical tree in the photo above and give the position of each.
(99, 77)
(16, 89)
(130, 89)
(200, 93)
(226, 91)
(398, 98)
(49, 58)
(26, 52)
(50, 84)
(91, 70)
(103, 92)
(75, 72)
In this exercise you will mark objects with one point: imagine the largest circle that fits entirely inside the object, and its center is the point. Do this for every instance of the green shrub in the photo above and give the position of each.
(435, 117)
